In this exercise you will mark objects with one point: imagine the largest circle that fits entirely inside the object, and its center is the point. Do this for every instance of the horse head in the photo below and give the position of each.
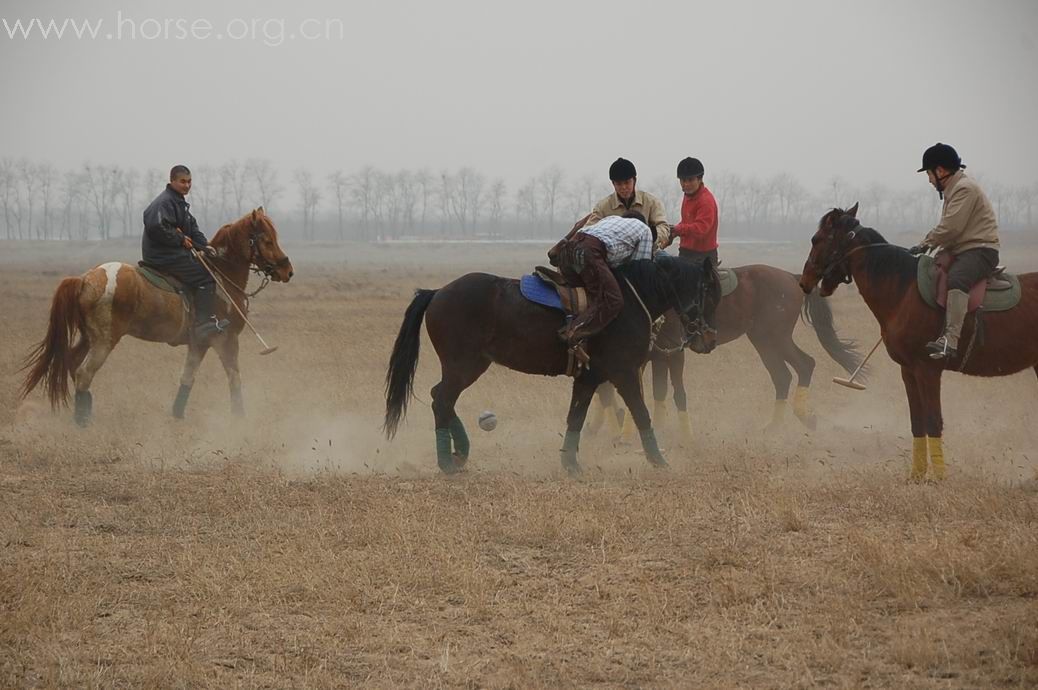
(826, 265)
(696, 292)
(254, 239)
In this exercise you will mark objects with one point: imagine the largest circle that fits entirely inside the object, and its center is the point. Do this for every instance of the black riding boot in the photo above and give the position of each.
(207, 324)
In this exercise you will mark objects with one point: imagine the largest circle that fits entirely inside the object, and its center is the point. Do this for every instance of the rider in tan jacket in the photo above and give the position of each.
(968, 230)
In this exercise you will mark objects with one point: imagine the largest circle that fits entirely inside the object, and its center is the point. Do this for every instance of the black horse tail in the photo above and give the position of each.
(816, 312)
(404, 362)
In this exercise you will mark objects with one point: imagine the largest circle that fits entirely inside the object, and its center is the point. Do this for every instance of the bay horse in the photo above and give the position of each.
(114, 300)
(764, 307)
(480, 319)
(842, 250)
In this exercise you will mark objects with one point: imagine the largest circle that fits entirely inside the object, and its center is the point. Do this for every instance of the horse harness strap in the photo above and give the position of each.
(654, 325)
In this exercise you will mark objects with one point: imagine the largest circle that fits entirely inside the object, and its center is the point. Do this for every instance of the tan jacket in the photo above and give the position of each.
(968, 221)
(645, 203)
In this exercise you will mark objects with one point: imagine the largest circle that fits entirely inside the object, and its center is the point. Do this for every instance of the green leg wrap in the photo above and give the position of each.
(570, 446)
(652, 448)
(461, 439)
(443, 451)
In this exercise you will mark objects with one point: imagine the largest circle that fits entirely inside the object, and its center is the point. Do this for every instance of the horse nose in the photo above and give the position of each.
(291, 273)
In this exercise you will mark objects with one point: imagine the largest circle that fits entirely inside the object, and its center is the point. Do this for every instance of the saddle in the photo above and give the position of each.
(998, 292)
(168, 283)
(550, 289)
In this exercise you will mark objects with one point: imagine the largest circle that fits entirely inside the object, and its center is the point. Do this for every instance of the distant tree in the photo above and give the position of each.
(47, 176)
(310, 196)
(338, 183)
(550, 183)
(265, 177)
(496, 205)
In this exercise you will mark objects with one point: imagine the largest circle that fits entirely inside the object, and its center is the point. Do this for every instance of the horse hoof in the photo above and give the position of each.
(460, 460)
(810, 421)
(448, 465)
(659, 463)
(570, 464)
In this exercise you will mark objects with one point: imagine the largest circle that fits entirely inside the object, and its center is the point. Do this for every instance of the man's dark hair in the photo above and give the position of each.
(638, 215)
(178, 170)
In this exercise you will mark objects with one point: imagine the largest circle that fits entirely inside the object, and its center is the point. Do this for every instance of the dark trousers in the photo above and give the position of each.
(590, 268)
(971, 267)
(698, 257)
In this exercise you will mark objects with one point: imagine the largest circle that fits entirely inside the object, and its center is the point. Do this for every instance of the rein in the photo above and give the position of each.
(842, 257)
(264, 271)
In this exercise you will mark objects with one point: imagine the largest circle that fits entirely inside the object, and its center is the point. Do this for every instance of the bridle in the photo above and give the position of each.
(691, 328)
(838, 262)
(265, 269)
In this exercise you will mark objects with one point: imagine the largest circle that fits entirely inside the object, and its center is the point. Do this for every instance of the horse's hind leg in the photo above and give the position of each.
(227, 350)
(676, 364)
(628, 385)
(804, 365)
(606, 409)
(452, 442)
(660, 383)
(780, 377)
(187, 379)
(95, 358)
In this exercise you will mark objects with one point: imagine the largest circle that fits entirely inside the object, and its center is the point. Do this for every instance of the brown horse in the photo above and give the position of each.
(842, 250)
(480, 319)
(764, 307)
(114, 299)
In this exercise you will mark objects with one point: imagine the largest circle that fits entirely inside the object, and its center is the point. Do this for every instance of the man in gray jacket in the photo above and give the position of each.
(170, 235)
(968, 230)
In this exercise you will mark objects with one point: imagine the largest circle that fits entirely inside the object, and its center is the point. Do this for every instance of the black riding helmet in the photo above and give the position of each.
(690, 167)
(622, 169)
(941, 155)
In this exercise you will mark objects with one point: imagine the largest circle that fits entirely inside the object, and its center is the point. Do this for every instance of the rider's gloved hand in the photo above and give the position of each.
(919, 249)
(188, 244)
(210, 250)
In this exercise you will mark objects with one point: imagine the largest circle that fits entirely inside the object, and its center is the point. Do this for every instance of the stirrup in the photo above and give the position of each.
(577, 359)
(211, 327)
(939, 349)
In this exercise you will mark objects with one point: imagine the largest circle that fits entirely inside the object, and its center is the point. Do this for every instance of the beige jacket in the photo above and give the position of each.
(645, 203)
(968, 220)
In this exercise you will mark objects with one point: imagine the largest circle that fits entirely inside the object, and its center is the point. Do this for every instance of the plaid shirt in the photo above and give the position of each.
(626, 239)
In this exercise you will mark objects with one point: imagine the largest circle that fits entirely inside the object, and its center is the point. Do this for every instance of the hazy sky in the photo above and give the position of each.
(812, 88)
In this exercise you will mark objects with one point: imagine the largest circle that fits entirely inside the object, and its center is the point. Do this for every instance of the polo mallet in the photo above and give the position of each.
(850, 382)
(267, 349)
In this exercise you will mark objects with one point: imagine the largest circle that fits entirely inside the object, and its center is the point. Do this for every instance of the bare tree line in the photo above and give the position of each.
(39, 201)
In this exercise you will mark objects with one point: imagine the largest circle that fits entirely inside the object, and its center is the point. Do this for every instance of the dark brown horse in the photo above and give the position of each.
(842, 250)
(480, 319)
(764, 307)
(114, 299)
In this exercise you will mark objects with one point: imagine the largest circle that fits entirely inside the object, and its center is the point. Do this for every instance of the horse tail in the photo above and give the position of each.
(55, 358)
(816, 312)
(404, 361)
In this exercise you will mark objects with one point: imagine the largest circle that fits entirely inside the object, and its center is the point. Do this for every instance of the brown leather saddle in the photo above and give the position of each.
(573, 297)
(995, 282)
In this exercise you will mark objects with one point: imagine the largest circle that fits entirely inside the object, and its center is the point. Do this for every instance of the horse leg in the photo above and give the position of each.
(227, 350)
(628, 385)
(660, 382)
(804, 365)
(187, 379)
(928, 381)
(583, 391)
(676, 364)
(605, 404)
(915, 411)
(449, 429)
(100, 348)
(780, 377)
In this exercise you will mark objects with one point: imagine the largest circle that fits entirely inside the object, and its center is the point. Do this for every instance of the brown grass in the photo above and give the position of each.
(298, 549)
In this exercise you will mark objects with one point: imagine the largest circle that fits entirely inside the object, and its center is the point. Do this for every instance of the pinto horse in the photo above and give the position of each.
(764, 307)
(480, 319)
(114, 299)
(843, 251)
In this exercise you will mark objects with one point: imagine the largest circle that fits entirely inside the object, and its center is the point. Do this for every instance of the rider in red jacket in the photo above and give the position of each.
(698, 226)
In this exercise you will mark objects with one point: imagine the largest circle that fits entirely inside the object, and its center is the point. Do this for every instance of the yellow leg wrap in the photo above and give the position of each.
(627, 430)
(936, 457)
(800, 406)
(684, 426)
(610, 413)
(659, 412)
(919, 459)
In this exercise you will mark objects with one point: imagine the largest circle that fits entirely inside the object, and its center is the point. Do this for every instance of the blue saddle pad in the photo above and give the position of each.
(539, 291)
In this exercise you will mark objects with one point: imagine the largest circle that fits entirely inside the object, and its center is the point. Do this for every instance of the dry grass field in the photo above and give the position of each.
(297, 548)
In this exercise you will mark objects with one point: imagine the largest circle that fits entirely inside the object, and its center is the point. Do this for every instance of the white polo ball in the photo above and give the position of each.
(487, 420)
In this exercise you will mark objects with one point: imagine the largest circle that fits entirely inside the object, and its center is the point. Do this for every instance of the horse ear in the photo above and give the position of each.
(254, 214)
(261, 211)
(853, 210)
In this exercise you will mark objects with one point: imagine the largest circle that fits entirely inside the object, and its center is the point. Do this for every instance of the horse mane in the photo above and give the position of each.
(887, 260)
(650, 276)
(234, 238)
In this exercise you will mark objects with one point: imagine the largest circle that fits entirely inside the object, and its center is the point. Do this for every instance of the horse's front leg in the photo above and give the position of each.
(584, 387)
(195, 355)
(928, 382)
(227, 349)
(629, 386)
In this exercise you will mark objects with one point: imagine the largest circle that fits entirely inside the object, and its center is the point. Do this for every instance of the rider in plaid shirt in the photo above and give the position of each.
(598, 249)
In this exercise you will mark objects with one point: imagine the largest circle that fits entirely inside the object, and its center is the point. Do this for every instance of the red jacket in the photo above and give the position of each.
(698, 226)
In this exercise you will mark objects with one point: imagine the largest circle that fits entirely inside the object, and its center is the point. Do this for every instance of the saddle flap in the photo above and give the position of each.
(162, 281)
